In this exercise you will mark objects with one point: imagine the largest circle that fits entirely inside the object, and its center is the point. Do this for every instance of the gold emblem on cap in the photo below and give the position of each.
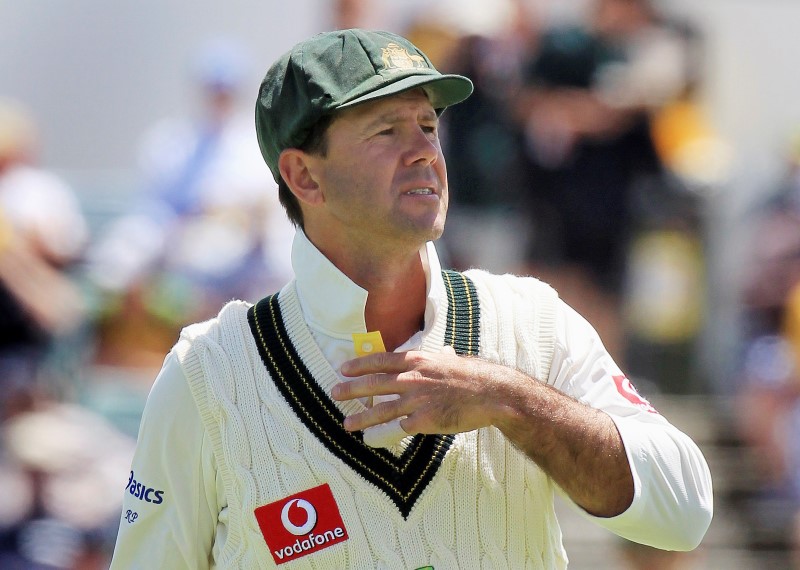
(397, 58)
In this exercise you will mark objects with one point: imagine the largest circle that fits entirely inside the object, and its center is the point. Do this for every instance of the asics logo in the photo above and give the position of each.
(143, 492)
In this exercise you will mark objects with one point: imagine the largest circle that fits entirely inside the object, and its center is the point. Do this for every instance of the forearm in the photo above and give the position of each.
(578, 446)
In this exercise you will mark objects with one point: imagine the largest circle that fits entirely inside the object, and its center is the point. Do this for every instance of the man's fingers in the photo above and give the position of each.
(369, 364)
(411, 425)
(380, 413)
(366, 386)
(386, 362)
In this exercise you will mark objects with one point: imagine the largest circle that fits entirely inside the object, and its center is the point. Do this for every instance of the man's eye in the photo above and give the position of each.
(432, 129)
(388, 131)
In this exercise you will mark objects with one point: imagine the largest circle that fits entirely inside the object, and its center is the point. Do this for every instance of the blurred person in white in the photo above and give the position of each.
(208, 227)
(42, 232)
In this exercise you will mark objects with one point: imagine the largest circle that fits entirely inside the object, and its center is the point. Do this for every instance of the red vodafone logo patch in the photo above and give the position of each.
(301, 524)
(626, 389)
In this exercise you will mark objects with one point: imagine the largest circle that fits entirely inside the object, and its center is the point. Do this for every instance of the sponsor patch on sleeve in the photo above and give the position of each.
(626, 389)
(301, 524)
(143, 492)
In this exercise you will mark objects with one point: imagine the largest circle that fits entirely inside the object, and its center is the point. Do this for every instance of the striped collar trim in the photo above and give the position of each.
(402, 478)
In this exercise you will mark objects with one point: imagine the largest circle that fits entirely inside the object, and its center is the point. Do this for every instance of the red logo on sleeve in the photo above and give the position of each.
(626, 389)
(301, 524)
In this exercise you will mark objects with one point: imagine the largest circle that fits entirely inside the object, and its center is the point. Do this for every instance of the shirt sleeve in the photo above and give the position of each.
(171, 506)
(672, 505)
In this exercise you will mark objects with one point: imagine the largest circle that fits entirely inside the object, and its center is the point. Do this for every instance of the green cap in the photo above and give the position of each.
(334, 70)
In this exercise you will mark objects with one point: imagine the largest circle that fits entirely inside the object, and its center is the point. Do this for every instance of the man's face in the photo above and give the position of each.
(384, 176)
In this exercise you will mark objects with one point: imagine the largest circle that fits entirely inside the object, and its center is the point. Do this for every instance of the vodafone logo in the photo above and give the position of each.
(626, 389)
(311, 517)
(301, 524)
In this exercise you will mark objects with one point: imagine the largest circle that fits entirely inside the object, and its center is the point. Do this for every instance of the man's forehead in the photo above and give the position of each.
(416, 99)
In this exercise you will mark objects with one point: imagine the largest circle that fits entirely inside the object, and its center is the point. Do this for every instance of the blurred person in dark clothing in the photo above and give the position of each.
(596, 180)
(483, 143)
(586, 107)
(42, 232)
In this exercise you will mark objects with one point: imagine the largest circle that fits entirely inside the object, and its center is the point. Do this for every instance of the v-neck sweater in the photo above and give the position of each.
(473, 502)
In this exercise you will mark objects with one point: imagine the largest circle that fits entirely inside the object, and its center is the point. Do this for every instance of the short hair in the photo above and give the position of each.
(315, 143)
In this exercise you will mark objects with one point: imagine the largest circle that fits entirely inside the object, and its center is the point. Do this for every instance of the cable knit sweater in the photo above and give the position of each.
(454, 502)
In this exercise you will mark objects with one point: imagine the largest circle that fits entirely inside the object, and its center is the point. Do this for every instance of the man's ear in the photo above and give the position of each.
(294, 165)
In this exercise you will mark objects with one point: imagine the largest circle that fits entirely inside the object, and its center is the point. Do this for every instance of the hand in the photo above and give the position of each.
(436, 393)
(578, 446)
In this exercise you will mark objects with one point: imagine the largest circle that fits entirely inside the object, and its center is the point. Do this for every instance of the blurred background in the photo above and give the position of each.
(641, 156)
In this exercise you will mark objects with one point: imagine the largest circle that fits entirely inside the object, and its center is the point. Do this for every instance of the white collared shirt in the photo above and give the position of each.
(333, 306)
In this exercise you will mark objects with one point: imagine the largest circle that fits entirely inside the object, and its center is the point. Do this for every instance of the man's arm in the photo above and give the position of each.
(606, 448)
(170, 507)
(578, 446)
(673, 498)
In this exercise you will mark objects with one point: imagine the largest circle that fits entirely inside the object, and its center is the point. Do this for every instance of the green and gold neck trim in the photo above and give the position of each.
(402, 478)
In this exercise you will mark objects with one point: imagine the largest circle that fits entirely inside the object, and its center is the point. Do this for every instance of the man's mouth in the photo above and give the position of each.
(420, 192)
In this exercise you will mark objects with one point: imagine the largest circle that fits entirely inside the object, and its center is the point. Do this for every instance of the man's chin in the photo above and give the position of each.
(436, 233)
(421, 230)
(432, 232)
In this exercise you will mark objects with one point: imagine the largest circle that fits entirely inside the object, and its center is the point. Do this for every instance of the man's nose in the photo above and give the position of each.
(422, 148)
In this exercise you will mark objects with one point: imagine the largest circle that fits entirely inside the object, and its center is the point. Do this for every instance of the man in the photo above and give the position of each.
(267, 441)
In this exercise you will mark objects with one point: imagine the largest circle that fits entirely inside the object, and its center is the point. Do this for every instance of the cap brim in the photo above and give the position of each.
(442, 90)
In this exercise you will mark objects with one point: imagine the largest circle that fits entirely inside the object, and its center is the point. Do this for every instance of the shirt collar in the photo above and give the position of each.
(333, 305)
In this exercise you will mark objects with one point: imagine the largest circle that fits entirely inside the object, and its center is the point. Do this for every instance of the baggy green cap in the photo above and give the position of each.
(334, 70)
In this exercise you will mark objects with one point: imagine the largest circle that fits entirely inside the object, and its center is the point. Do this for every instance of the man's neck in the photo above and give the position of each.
(396, 307)
(395, 281)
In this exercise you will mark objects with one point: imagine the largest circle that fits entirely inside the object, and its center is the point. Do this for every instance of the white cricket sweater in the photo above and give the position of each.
(486, 505)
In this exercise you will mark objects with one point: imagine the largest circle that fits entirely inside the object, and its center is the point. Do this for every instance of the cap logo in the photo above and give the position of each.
(397, 58)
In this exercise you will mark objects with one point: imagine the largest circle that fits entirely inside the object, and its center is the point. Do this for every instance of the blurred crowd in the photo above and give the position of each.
(584, 157)
(768, 380)
(88, 314)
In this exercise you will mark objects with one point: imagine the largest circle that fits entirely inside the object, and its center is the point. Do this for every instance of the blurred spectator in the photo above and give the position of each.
(42, 232)
(482, 140)
(209, 227)
(586, 109)
(665, 294)
(349, 13)
(773, 266)
(60, 472)
(769, 396)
